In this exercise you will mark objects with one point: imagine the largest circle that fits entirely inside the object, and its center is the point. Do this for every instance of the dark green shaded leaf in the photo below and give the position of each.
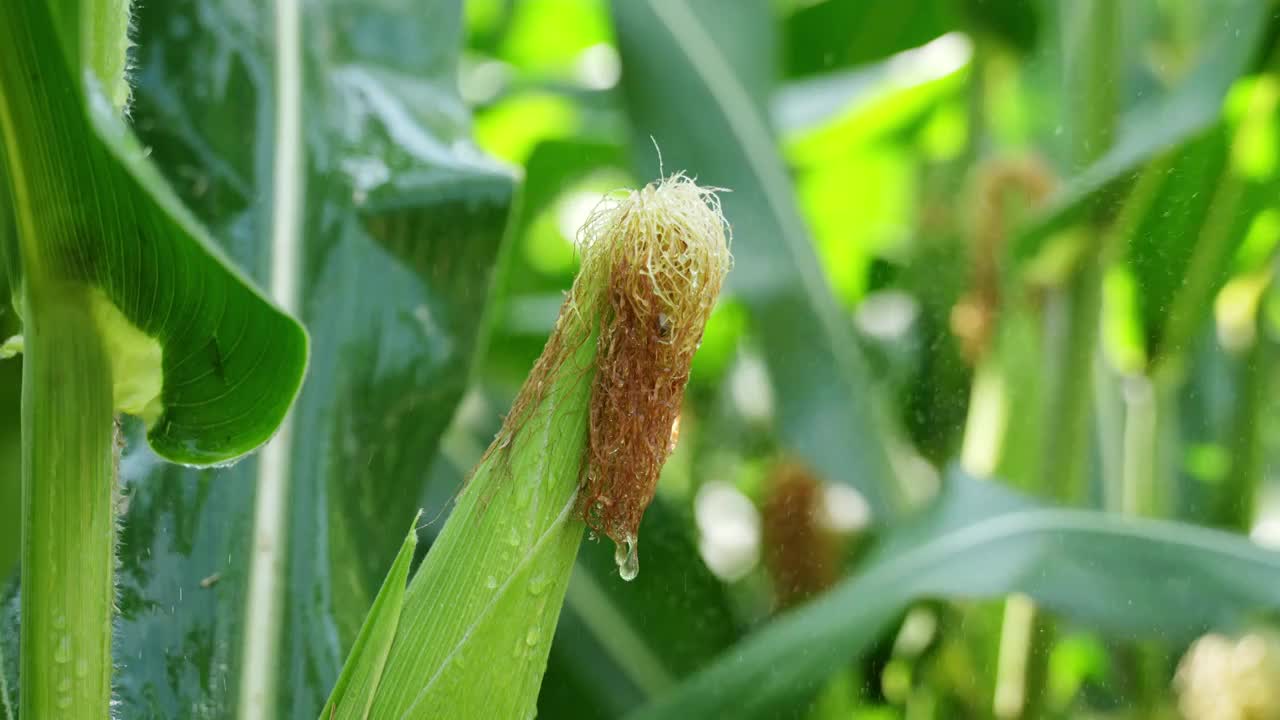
(837, 33)
(1126, 577)
(620, 643)
(557, 164)
(1016, 23)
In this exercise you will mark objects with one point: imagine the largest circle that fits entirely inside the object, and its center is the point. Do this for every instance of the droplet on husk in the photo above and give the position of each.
(627, 557)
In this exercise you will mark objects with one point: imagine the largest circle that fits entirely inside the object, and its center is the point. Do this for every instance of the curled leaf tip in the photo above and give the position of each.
(659, 256)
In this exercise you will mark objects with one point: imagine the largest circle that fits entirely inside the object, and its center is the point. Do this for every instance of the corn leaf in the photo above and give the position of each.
(1131, 578)
(208, 362)
(354, 692)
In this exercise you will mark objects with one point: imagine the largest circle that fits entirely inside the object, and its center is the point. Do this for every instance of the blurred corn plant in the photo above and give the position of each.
(982, 426)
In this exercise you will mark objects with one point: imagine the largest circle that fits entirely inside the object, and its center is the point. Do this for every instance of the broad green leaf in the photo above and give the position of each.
(1130, 578)
(401, 228)
(828, 35)
(1165, 121)
(832, 34)
(708, 62)
(195, 350)
(354, 692)
(556, 164)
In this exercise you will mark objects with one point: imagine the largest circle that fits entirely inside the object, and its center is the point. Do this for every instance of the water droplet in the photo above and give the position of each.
(491, 582)
(627, 559)
(63, 702)
(513, 537)
(59, 621)
(532, 637)
(82, 667)
(63, 652)
(538, 584)
(64, 685)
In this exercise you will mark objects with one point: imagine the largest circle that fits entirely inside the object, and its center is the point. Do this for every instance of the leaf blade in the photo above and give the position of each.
(354, 691)
(980, 540)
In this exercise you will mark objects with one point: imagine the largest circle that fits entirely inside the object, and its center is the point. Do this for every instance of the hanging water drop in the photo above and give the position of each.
(491, 582)
(62, 654)
(627, 559)
(538, 584)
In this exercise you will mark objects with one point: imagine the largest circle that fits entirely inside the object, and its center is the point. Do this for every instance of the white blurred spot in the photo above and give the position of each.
(728, 530)
(916, 632)
(917, 476)
(750, 389)
(933, 60)
(886, 315)
(473, 409)
(844, 509)
(12, 347)
(1266, 533)
(366, 173)
(573, 211)
(598, 67)
(480, 82)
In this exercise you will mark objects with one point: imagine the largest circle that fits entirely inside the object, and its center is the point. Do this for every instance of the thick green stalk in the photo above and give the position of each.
(1234, 502)
(68, 436)
(68, 528)
(1092, 46)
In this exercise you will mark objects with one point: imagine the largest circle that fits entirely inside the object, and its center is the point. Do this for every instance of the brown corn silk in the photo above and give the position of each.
(801, 555)
(663, 252)
(653, 262)
(997, 183)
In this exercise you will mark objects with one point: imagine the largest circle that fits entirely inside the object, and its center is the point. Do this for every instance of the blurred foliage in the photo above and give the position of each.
(932, 157)
(979, 243)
